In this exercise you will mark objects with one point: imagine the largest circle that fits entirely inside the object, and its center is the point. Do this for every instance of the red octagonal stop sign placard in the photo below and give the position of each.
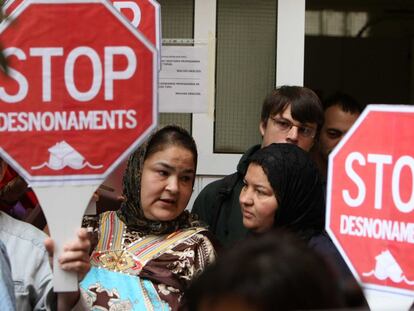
(370, 202)
(143, 15)
(81, 92)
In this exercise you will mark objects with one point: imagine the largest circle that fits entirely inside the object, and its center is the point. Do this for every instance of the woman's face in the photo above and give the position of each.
(167, 183)
(257, 200)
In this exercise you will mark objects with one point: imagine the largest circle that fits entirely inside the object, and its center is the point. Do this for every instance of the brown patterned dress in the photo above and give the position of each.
(131, 271)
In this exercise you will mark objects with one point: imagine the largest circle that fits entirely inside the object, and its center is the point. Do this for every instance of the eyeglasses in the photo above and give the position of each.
(285, 125)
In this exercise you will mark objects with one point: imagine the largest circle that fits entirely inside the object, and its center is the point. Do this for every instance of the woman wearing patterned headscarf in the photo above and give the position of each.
(149, 250)
(283, 189)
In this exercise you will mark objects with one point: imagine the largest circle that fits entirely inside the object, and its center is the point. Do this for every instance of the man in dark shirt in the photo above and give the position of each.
(340, 113)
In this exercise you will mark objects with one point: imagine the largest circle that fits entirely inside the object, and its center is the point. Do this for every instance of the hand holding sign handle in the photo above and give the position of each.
(64, 208)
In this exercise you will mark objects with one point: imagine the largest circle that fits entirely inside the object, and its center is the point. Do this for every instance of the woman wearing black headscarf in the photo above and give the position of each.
(148, 251)
(283, 189)
(285, 174)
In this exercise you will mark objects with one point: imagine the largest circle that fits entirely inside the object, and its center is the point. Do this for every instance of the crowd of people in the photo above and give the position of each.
(254, 240)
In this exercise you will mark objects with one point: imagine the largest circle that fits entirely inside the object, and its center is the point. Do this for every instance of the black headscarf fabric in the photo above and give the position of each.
(298, 187)
(131, 212)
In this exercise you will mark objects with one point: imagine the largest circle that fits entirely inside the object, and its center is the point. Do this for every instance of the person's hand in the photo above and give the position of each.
(75, 254)
(74, 258)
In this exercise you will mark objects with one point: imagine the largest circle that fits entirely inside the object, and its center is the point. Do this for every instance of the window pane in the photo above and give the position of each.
(177, 19)
(335, 23)
(246, 35)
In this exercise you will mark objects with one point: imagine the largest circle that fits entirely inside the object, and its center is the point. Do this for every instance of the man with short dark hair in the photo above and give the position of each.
(340, 111)
(290, 114)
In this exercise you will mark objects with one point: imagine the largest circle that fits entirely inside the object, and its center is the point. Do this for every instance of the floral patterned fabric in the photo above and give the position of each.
(134, 271)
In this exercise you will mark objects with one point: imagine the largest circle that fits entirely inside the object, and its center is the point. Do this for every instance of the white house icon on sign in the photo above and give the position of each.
(61, 155)
(387, 267)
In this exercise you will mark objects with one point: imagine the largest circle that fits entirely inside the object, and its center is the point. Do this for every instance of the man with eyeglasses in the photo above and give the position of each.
(290, 114)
